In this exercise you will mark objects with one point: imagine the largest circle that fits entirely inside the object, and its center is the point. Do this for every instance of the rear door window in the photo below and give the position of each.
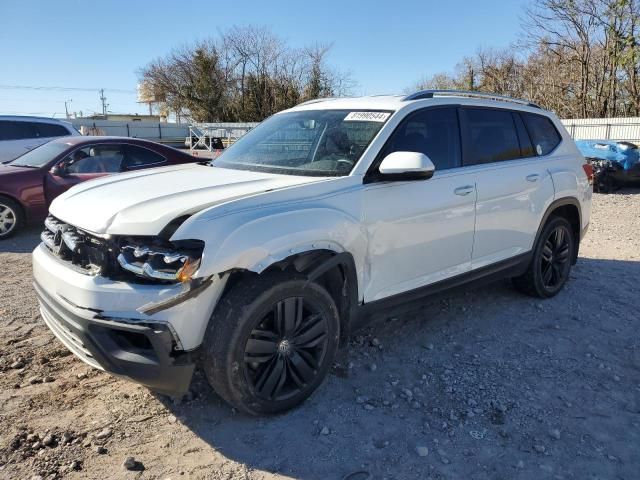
(6, 130)
(491, 136)
(543, 133)
(11, 130)
(526, 147)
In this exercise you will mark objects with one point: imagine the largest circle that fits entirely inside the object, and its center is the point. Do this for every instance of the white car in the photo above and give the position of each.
(261, 263)
(20, 134)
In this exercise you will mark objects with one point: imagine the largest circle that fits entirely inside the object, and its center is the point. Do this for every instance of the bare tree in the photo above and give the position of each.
(246, 74)
(578, 57)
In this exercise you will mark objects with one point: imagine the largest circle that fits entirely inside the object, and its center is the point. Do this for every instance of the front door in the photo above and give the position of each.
(84, 164)
(420, 232)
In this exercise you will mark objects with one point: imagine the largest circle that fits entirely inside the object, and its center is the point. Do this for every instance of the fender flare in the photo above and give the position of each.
(561, 202)
(351, 308)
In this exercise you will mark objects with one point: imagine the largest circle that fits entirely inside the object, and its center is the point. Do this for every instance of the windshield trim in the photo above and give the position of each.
(300, 172)
(251, 167)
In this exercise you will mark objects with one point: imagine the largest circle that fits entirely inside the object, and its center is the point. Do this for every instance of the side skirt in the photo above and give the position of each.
(363, 314)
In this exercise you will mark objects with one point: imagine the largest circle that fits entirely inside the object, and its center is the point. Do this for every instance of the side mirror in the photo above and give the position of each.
(58, 170)
(406, 166)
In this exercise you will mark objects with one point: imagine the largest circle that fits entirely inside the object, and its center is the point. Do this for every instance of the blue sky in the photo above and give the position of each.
(92, 44)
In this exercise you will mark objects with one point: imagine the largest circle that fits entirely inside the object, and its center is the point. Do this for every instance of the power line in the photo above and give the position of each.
(64, 89)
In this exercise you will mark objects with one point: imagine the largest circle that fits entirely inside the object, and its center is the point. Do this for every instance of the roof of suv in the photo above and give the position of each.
(26, 118)
(397, 102)
(89, 139)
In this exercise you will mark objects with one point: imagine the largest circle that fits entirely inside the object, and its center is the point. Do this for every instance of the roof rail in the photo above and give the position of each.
(465, 93)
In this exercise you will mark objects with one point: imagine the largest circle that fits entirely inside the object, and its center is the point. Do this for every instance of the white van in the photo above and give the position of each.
(20, 134)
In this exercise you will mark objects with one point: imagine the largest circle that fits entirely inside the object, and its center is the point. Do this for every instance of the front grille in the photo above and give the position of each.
(90, 254)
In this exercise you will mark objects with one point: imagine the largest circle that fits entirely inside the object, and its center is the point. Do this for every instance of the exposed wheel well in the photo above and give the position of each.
(320, 266)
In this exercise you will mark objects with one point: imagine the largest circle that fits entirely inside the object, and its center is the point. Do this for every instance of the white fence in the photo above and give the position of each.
(159, 131)
(150, 130)
(604, 128)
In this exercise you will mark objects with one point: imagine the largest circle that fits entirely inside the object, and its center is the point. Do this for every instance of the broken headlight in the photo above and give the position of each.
(161, 260)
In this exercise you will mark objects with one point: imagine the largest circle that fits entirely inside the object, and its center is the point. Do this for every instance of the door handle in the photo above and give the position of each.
(466, 190)
(533, 177)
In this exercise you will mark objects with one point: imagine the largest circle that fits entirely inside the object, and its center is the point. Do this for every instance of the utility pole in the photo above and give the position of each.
(66, 107)
(103, 99)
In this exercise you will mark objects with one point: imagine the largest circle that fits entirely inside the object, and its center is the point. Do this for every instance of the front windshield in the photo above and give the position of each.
(311, 142)
(40, 156)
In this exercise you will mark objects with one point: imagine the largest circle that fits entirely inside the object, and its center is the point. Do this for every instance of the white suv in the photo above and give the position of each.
(259, 264)
(19, 134)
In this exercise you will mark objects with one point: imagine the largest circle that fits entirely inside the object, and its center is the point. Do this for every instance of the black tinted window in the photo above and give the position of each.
(526, 147)
(10, 130)
(434, 132)
(491, 136)
(544, 135)
(139, 157)
(5, 130)
(51, 130)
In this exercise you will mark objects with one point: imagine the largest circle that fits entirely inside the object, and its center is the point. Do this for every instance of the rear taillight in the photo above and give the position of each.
(588, 169)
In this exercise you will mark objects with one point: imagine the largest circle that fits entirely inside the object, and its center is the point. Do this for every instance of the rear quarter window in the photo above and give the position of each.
(543, 133)
(141, 157)
(47, 130)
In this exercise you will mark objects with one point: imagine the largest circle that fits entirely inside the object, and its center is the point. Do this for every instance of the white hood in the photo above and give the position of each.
(144, 202)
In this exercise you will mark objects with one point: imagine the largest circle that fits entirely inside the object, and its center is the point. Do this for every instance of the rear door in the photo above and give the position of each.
(420, 232)
(85, 163)
(514, 186)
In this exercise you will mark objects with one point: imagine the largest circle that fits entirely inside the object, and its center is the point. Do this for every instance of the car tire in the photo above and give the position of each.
(270, 342)
(11, 217)
(551, 262)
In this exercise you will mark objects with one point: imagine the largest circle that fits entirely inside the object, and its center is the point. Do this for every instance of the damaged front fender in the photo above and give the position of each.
(253, 241)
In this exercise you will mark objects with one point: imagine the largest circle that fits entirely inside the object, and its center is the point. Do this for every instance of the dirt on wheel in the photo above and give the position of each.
(482, 384)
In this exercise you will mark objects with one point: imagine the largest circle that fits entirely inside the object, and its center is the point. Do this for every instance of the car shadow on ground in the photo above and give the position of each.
(492, 343)
(24, 241)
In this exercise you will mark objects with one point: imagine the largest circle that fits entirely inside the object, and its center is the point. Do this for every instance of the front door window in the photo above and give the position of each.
(95, 159)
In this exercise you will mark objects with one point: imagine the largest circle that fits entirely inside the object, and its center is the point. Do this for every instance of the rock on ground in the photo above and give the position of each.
(490, 383)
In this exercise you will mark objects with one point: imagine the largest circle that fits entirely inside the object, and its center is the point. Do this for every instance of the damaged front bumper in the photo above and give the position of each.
(136, 352)
(149, 334)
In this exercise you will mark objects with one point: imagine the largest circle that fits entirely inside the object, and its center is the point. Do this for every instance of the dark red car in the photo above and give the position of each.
(29, 183)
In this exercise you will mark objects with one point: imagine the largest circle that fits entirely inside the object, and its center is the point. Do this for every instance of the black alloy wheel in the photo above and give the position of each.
(556, 257)
(284, 351)
(552, 257)
(271, 342)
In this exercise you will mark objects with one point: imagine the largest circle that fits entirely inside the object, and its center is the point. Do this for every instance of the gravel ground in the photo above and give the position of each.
(482, 384)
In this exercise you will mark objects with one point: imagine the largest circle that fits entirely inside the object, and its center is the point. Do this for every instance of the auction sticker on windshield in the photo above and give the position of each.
(367, 117)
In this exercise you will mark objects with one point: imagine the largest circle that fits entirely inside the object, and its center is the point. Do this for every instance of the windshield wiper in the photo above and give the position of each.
(22, 165)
